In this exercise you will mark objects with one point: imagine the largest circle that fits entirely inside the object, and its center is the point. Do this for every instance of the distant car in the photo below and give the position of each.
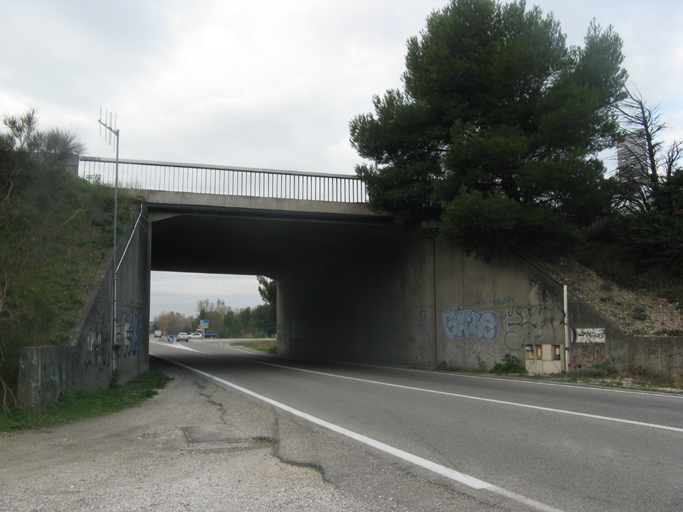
(182, 336)
(196, 335)
(157, 334)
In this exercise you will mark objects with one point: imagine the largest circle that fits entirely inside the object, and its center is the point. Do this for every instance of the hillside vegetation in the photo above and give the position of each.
(56, 230)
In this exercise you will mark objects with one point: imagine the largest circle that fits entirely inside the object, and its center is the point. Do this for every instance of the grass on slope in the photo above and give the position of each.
(269, 346)
(86, 404)
(55, 230)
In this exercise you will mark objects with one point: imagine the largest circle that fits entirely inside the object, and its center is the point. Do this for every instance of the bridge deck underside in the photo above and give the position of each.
(276, 244)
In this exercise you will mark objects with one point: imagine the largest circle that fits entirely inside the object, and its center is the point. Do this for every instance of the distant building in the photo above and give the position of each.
(632, 157)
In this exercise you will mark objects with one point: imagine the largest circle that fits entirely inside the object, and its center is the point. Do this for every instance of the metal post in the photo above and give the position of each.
(112, 130)
(116, 221)
(566, 328)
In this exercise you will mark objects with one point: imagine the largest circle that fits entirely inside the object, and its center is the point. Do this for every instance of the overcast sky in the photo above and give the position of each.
(266, 84)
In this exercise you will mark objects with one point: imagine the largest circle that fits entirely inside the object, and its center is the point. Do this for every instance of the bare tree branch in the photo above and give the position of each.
(642, 163)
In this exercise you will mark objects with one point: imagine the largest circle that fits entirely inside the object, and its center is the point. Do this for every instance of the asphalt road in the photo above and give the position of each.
(488, 443)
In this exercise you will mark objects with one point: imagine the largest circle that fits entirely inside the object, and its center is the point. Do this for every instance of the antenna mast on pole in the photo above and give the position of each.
(110, 131)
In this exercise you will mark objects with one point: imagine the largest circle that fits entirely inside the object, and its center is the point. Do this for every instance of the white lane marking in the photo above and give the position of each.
(559, 385)
(457, 395)
(452, 474)
(181, 347)
(581, 387)
(490, 400)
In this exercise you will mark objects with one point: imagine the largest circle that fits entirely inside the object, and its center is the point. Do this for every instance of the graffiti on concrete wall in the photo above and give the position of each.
(527, 325)
(96, 348)
(468, 323)
(97, 356)
(134, 319)
(586, 356)
(589, 336)
(653, 349)
(52, 371)
(669, 356)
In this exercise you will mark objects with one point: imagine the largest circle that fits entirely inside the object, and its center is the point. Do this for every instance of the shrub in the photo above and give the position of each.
(510, 364)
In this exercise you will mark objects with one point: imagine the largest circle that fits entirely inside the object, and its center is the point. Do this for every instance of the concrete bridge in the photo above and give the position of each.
(352, 284)
(337, 264)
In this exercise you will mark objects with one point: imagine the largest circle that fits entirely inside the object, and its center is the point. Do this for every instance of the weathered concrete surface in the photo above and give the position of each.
(159, 197)
(659, 355)
(91, 358)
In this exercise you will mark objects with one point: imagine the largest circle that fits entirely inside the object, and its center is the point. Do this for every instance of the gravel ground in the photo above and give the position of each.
(141, 460)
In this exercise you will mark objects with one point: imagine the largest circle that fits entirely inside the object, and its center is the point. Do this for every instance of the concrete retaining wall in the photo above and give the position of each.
(91, 359)
(659, 355)
(421, 303)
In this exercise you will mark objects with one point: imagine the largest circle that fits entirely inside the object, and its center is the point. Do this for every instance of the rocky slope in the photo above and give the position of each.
(637, 312)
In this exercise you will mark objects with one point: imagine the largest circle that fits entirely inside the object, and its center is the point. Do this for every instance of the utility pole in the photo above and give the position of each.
(111, 131)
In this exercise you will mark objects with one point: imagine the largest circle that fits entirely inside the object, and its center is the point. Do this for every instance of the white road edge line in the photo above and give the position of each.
(449, 473)
(180, 347)
(490, 400)
(582, 387)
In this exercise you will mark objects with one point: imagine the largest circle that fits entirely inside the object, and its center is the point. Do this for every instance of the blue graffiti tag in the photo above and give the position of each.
(133, 318)
(467, 323)
(54, 372)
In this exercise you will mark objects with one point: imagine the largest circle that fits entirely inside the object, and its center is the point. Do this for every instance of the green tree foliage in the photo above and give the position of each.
(23, 147)
(244, 323)
(240, 323)
(654, 237)
(227, 322)
(268, 291)
(497, 118)
(262, 322)
(171, 322)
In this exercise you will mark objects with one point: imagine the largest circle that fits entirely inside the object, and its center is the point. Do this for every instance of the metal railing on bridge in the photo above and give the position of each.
(212, 179)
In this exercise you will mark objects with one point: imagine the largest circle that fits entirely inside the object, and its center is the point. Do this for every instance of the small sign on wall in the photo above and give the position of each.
(589, 335)
(123, 334)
